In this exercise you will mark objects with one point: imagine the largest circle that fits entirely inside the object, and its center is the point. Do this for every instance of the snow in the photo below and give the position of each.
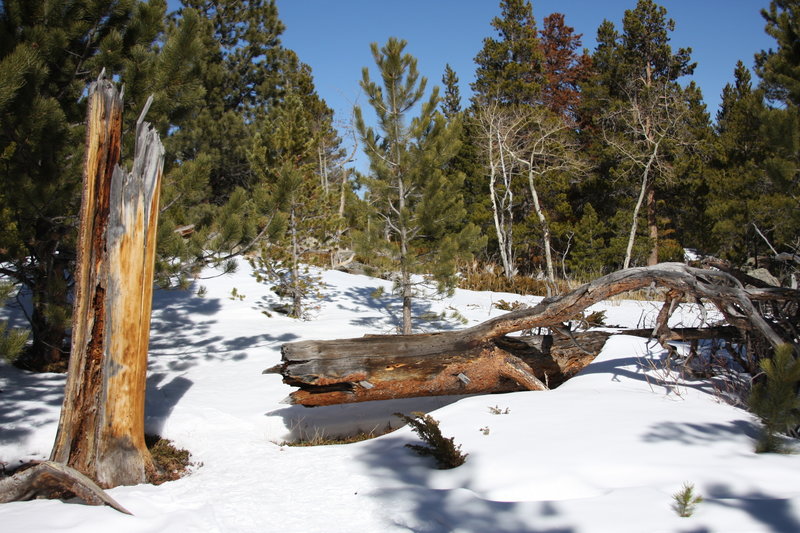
(604, 452)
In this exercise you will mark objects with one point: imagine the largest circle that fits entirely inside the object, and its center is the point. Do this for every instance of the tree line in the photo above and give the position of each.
(565, 162)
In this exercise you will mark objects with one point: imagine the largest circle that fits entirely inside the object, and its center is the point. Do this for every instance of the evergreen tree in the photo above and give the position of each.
(510, 69)
(737, 177)
(246, 74)
(682, 202)
(451, 102)
(774, 399)
(588, 243)
(418, 214)
(780, 73)
(780, 69)
(285, 157)
(47, 57)
(646, 116)
(564, 69)
(246, 70)
(753, 187)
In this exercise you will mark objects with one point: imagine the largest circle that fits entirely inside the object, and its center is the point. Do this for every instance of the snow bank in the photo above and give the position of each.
(604, 452)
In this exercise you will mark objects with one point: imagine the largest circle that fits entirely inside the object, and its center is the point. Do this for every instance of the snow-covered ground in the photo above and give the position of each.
(605, 452)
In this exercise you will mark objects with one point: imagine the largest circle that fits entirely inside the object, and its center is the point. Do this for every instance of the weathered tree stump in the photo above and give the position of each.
(101, 429)
(484, 359)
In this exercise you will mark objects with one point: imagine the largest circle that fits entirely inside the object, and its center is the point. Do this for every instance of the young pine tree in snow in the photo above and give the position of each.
(416, 226)
(775, 400)
(285, 160)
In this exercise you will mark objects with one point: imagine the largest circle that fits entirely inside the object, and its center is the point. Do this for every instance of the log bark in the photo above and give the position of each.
(52, 480)
(392, 366)
(101, 429)
(484, 359)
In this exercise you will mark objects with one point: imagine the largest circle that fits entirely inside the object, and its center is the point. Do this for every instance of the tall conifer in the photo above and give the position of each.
(417, 223)
(47, 58)
(510, 67)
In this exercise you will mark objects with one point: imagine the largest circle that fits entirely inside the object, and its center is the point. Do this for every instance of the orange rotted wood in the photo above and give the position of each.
(101, 431)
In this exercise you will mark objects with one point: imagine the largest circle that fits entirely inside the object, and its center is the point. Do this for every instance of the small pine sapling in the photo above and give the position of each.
(12, 340)
(775, 400)
(686, 500)
(443, 450)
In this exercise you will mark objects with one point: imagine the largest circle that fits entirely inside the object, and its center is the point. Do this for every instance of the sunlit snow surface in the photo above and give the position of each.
(602, 453)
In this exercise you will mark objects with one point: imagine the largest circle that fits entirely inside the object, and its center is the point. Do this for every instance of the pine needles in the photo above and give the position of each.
(446, 453)
(775, 400)
(686, 501)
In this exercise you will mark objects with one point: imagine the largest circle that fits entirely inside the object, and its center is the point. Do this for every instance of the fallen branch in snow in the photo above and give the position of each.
(52, 480)
(482, 359)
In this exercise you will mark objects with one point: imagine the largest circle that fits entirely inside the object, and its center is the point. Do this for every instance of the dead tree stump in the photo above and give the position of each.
(101, 429)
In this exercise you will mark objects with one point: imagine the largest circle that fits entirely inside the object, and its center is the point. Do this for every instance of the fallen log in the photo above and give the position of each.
(389, 366)
(484, 359)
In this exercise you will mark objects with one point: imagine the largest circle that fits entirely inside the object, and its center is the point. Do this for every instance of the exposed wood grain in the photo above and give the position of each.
(101, 429)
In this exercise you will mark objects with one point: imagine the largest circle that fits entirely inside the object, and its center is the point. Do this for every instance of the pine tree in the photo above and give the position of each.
(775, 399)
(564, 69)
(285, 158)
(737, 177)
(510, 68)
(755, 173)
(646, 111)
(245, 70)
(47, 58)
(246, 74)
(451, 102)
(779, 69)
(416, 226)
(780, 73)
(586, 258)
(683, 220)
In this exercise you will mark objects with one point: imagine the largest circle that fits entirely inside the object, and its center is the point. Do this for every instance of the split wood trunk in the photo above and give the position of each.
(101, 430)
(484, 359)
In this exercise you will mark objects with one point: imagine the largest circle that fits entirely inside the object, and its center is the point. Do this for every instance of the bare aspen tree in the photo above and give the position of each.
(650, 121)
(543, 145)
(493, 126)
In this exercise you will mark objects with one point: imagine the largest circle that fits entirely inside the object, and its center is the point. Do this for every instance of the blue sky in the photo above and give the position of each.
(333, 36)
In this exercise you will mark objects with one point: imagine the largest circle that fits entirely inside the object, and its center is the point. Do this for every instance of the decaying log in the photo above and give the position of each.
(53, 481)
(484, 359)
(385, 367)
(101, 429)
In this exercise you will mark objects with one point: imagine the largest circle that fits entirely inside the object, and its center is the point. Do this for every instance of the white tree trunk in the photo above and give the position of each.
(638, 207)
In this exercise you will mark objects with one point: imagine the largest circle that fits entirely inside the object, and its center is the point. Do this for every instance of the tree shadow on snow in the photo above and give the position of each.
(775, 513)
(385, 312)
(22, 395)
(180, 333)
(652, 368)
(345, 420)
(410, 501)
(161, 399)
(700, 434)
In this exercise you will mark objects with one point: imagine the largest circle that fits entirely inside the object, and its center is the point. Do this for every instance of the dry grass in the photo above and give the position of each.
(318, 438)
(488, 280)
(171, 463)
